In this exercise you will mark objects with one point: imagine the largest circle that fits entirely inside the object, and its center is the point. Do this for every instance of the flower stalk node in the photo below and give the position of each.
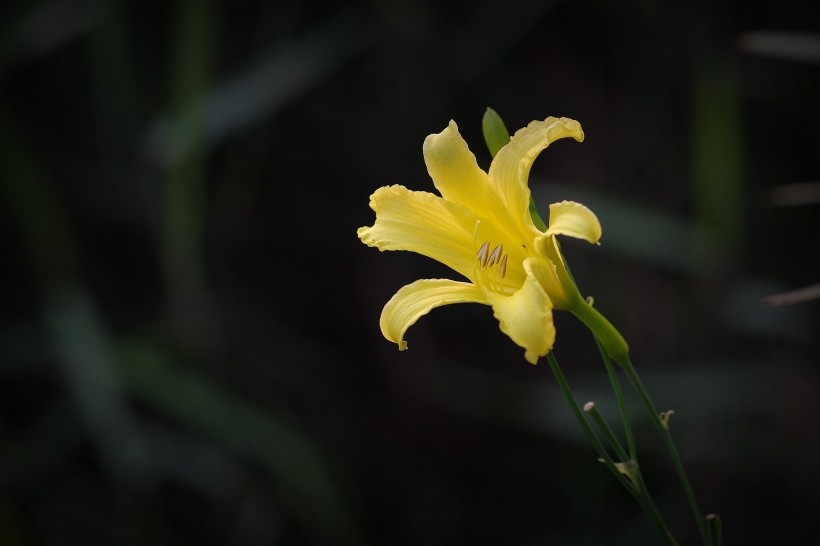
(664, 417)
(630, 470)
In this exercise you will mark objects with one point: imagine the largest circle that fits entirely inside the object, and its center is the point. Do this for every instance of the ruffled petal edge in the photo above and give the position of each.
(424, 223)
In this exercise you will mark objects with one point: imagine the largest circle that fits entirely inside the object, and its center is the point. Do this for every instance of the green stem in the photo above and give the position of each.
(596, 443)
(604, 427)
(637, 490)
(670, 447)
(650, 508)
(715, 529)
(619, 396)
(632, 470)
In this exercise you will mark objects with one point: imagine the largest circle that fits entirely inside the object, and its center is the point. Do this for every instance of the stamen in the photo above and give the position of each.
(495, 255)
(503, 267)
(482, 254)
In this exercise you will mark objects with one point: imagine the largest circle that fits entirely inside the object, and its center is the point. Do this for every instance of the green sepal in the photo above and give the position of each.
(536, 218)
(495, 132)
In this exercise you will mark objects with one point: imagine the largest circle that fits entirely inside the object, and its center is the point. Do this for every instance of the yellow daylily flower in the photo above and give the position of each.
(480, 226)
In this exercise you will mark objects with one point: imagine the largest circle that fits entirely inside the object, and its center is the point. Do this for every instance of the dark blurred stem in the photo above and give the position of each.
(31, 200)
(184, 213)
(666, 437)
(715, 529)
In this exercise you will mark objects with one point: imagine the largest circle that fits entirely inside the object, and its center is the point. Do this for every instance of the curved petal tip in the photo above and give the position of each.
(574, 220)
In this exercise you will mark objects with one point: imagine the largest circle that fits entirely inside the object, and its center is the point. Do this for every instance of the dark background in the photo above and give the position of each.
(189, 343)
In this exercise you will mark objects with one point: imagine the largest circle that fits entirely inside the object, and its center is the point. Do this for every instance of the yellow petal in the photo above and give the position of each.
(457, 176)
(454, 169)
(575, 220)
(526, 315)
(417, 299)
(510, 170)
(424, 223)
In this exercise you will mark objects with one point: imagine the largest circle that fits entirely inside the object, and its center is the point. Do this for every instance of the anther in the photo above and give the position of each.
(495, 255)
(482, 254)
(503, 267)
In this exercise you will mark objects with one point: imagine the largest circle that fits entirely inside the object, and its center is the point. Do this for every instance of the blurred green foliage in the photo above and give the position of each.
(189, 348)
